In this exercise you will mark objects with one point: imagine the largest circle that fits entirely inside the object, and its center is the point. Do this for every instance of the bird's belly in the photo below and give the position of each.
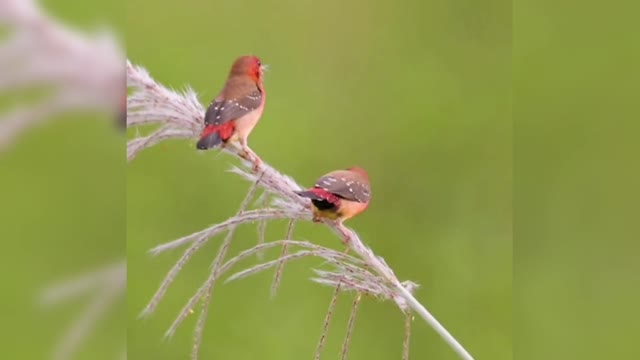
(326, 213)
(245, 124)
(346, 209)
(349, 209)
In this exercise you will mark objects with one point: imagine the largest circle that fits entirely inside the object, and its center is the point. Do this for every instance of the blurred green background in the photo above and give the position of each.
(576, 190)
(417, 92)
(62, 212)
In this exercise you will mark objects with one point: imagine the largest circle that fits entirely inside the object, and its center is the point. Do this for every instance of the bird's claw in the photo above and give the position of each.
(251, 157)
(257, 164)
(244, 154)
(346, 235)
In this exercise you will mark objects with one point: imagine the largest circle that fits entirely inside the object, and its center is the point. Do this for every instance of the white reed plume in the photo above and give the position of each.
(79, 71)
(105, 285)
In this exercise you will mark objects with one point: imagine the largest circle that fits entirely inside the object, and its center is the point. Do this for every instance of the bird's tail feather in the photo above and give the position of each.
(214, 135)
(309, 194)
(209, 141)
(210, 138)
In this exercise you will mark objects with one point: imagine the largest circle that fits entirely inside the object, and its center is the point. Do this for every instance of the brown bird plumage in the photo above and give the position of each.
(340, 195)
(234, 113)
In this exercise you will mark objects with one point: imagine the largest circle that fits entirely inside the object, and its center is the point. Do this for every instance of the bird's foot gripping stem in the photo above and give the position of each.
(248, 154)
(344, 232)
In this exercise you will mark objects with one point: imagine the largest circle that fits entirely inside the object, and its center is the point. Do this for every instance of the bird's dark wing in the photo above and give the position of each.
(345, 186)
(221, 111)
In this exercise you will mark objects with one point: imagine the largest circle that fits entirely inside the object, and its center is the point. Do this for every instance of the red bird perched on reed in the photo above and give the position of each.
(234, 113)
(339, 195)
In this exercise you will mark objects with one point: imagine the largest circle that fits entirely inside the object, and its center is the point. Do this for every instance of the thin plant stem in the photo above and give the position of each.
(278, 274)
(327, 321)
(262, 224)
(350, 325)
(214, 274)
(426, 315)
(407, 335)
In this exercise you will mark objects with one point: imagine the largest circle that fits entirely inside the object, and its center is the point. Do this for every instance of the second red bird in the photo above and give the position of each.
(339, 195)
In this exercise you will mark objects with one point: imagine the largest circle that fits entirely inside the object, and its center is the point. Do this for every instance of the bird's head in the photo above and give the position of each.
(360, 171)
(249, 66)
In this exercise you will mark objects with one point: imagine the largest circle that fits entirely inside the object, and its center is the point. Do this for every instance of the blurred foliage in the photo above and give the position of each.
(418, 93)
(62, 213)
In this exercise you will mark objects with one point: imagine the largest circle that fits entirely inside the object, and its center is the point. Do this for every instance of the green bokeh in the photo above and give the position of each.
(62, 213)
(418, 93)
(576, 181)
